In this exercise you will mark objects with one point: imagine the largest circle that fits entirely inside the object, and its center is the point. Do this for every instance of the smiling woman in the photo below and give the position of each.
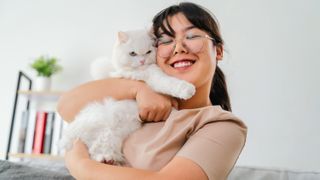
(202, 140)
(188, 53)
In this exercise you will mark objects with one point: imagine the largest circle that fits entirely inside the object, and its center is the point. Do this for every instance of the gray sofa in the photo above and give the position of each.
(255, 173)
(47, 170)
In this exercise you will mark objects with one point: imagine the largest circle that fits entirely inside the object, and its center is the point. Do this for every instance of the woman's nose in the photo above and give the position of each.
(180, 47)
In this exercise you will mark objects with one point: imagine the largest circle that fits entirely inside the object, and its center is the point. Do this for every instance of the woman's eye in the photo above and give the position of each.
(132, 53)
(192, 36)
(165, 41)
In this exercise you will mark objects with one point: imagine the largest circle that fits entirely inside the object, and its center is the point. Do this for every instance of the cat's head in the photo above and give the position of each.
(134, 49)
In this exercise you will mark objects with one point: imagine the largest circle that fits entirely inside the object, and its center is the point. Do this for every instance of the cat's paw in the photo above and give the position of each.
(97, 157)
(118, 161)
(108, 159)
(185, 90)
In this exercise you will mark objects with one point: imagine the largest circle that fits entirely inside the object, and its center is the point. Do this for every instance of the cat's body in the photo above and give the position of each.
(104, 125)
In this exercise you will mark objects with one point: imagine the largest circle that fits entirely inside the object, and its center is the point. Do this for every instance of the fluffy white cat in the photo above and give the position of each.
(103, 126)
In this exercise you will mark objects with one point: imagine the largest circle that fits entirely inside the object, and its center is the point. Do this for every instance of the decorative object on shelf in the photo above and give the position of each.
(45, 66)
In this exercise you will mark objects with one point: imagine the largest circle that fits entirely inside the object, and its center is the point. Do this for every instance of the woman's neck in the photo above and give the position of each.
(199, 99)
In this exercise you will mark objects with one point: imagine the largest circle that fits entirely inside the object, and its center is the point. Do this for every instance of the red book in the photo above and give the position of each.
(39, 132)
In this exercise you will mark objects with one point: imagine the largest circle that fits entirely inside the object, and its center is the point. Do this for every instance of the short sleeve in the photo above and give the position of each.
(215, 147)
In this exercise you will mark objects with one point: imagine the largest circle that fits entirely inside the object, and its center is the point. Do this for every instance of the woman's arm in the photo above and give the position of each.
(152, 106)
(74, 100)
(82, 167)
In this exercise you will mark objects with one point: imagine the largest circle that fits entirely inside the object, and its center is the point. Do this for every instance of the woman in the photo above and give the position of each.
(200, 141)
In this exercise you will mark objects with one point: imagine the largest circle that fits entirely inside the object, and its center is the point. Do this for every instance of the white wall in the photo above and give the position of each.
(272, 65)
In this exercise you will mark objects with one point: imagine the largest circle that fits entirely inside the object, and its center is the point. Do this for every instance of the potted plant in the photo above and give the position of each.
(45, 66)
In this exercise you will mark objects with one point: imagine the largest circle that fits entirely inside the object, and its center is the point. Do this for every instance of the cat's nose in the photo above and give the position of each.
(142, 61)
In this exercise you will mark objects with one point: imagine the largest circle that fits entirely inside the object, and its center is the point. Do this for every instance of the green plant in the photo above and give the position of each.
(46, 66)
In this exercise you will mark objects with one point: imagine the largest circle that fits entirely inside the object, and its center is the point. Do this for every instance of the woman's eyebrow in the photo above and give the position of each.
(188, 28)
(183, 30)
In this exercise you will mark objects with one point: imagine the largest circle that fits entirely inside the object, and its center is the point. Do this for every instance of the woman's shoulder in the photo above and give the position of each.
(216, 142)
(207, 115)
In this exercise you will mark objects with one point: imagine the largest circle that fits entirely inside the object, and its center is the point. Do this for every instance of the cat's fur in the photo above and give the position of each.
(104, 125)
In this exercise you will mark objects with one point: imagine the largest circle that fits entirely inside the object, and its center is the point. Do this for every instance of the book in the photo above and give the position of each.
(23, 131)
(39, 135)
(30, 132)
(57, 128)
(48, 133)
(63, 130)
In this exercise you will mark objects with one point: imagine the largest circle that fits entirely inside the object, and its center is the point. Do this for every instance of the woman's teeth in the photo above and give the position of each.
(181, 64)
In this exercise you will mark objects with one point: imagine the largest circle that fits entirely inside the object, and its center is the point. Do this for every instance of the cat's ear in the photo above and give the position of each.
(122, 37)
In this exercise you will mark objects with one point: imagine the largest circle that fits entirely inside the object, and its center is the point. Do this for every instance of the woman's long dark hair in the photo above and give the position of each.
(203, 20)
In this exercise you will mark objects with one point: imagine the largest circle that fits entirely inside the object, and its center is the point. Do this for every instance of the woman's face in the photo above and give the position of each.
(195, 67)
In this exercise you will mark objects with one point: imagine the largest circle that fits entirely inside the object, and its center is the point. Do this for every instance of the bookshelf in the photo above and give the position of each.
(30, 96)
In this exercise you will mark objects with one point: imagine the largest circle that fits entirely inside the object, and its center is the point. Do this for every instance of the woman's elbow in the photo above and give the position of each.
(63, 108)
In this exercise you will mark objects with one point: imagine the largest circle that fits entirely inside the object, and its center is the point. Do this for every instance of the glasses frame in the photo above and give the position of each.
(181, 39)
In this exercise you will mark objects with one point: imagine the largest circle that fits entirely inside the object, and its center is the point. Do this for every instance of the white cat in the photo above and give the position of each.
(103, 126)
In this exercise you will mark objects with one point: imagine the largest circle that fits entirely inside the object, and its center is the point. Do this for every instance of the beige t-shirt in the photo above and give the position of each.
(209, 136)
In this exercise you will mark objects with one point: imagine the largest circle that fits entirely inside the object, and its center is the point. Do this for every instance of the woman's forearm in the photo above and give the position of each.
(74, 100)
(89, 169)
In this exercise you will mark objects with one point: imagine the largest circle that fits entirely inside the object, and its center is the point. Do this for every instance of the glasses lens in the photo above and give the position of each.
(166, 46)
(194, 44)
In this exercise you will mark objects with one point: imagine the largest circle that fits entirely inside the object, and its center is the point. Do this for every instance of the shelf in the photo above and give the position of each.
(38, 156)
(37, 100)
(42, 95)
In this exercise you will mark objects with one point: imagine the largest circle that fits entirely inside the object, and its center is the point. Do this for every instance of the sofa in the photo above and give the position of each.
(38, 170)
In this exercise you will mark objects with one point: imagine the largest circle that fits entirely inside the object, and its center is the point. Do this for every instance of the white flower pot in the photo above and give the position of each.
(42, 83)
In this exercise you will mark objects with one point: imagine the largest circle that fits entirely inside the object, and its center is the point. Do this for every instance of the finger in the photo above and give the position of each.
(143, 115)
(140, 119)
(159, 116)
(151, 116)
(75, 142)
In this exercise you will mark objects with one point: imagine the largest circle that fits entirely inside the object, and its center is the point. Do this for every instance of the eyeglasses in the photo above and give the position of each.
(193, 43)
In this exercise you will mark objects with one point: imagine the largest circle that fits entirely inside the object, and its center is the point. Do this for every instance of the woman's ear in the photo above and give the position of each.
(219, 51)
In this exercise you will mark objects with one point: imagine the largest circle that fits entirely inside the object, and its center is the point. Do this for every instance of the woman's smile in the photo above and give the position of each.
(182, 64)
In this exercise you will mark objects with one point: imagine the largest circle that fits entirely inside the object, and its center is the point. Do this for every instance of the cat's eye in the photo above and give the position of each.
(132, 53)
(148, 52)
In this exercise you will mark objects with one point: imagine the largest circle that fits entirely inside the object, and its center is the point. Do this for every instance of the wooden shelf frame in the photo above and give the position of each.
(41, 95)
(37, 156)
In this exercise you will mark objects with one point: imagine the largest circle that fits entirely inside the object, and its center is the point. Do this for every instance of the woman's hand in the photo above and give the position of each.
(78, 157)
(154, 106)
(75, 156)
